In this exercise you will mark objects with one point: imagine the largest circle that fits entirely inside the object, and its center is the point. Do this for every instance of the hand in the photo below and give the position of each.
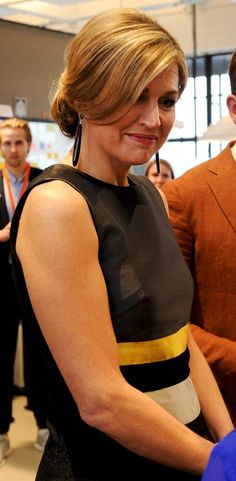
(5, 233)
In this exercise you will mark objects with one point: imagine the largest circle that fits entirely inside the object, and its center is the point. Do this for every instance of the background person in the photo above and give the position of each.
(202, 211)
(159, 178)
(108, 292)
(15, 141)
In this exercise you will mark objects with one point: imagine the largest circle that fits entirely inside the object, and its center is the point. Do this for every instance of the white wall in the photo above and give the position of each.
(215, 26)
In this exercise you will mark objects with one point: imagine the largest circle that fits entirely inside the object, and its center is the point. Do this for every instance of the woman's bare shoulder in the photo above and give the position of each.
(55, 210)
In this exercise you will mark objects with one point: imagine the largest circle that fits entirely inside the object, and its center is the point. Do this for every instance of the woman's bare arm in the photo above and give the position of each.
(212, 403)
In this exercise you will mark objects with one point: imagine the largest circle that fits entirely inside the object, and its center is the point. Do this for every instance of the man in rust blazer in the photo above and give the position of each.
(202, 205)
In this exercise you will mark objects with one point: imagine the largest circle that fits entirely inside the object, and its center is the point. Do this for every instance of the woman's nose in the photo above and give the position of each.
(152, 116)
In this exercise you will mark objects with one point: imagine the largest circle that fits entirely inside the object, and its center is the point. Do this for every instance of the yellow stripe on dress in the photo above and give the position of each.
(145, 352)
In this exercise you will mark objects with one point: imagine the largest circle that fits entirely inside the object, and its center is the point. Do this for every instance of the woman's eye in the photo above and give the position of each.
(168, 103)
(142, 98)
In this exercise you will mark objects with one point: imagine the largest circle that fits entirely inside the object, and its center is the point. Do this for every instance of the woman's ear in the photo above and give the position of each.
(231, 103)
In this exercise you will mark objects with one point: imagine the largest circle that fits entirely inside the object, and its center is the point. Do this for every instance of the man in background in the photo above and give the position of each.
(16, 173)
(202, 205)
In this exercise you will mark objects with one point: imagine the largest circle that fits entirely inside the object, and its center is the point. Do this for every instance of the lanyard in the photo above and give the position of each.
(8, 184)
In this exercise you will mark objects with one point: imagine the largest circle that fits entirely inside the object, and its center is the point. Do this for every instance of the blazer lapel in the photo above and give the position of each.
(222, 182)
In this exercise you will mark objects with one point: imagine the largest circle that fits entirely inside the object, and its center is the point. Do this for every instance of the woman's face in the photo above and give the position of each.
(159, 179)
(141, 131)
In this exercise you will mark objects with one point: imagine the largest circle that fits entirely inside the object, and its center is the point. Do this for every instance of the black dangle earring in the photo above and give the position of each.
(77, 144)
(158, 162)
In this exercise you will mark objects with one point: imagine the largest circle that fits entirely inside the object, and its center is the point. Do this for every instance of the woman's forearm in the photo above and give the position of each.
(212, 404)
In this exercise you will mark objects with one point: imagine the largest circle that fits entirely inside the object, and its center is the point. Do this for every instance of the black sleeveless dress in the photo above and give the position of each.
(150, 293)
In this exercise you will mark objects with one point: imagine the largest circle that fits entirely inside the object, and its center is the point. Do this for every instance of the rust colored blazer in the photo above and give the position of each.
(202, 205)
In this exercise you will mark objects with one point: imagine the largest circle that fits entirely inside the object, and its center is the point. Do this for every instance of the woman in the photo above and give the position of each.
(105, 285)
(159, 178)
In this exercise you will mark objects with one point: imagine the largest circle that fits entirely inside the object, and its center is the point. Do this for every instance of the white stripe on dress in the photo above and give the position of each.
(180, 400)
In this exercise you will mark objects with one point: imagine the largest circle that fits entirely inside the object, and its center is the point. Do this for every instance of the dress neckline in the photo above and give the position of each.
(131, 179)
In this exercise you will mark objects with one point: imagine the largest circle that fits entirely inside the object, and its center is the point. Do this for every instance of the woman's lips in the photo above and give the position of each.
(143, 139)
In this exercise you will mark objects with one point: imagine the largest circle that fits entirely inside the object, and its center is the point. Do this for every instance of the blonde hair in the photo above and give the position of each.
(109, 63)
(16, 123)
